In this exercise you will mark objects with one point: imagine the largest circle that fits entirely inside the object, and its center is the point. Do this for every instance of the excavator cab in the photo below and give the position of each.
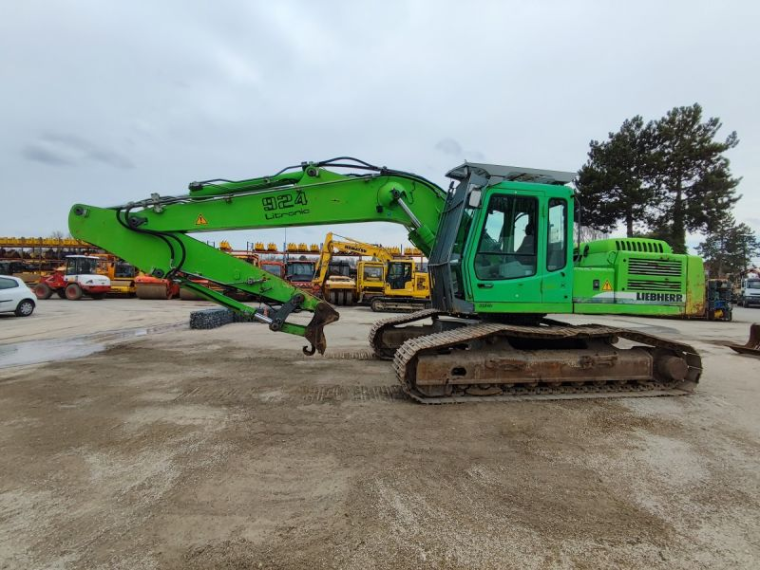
(504, 244)
(399, 274)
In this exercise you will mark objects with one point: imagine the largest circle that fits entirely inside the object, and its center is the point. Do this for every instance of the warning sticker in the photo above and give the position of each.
(607, 285)
(201, 221)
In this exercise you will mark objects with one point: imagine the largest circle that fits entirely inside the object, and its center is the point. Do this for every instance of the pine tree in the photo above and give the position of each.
(661, 179)
(692, 177)
(729, 247)
(613, 185)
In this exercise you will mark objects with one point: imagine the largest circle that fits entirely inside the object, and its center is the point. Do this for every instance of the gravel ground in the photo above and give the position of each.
(174, 448)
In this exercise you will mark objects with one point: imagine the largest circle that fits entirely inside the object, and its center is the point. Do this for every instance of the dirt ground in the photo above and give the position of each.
(179, 449)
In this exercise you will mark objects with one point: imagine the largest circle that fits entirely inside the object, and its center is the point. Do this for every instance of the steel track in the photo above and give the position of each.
(376, 332)
(404, 363)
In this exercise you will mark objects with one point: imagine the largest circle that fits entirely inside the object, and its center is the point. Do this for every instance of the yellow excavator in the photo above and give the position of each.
(387, 283)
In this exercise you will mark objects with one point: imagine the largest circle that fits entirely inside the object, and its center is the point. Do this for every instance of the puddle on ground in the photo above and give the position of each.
(54, 350)
(39, 351)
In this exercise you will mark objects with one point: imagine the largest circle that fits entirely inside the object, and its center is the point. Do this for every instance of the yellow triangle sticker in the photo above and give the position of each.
(201, 221)
(607, 285)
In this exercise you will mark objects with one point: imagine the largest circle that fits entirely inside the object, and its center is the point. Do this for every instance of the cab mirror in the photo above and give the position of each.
(473, 199)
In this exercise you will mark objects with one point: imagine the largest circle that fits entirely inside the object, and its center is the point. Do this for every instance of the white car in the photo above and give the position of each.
(16, 297)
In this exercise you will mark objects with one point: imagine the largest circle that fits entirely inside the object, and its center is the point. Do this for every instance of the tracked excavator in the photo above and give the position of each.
(391, 283)
(500, 245)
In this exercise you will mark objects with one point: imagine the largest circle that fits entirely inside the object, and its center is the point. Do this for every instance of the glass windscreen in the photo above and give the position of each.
(301, 271)
(507, 245)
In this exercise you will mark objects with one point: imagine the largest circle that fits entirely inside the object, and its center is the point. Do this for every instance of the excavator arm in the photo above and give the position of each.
(152, 234)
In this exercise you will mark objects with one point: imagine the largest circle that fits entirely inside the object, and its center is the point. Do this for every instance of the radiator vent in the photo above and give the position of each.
(648, 285)
(654, 267)
(644, 245)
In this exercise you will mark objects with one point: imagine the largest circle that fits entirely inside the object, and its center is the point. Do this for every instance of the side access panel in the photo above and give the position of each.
(633, 283)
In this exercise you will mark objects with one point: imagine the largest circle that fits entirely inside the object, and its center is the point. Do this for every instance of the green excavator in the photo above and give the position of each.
(501, 258)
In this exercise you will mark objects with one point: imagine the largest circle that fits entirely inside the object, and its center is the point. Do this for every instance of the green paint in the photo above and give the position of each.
(645, 278)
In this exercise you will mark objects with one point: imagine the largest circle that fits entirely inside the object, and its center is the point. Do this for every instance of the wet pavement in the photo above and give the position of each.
(59, 349)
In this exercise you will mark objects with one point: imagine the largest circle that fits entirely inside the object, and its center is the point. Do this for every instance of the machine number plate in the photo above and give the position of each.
(284, 201)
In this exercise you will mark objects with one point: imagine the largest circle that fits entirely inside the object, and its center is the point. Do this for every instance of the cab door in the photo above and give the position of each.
(507, 261)
(558, 279)
(399, 277)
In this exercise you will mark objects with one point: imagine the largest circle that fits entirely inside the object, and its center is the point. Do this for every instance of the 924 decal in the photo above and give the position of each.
(282, 205)
(284, 201)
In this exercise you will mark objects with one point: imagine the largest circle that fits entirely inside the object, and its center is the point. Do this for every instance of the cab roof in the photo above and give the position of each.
(498, 173)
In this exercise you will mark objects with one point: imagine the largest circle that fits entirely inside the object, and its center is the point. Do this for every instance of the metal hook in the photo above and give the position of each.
(309, 351)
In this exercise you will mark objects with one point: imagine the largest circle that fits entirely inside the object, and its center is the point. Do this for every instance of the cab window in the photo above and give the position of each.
(457, 282)
(399, 274)
(507, 245)
(272, 268)
(556, 238)
(124, 270)
(301, 272)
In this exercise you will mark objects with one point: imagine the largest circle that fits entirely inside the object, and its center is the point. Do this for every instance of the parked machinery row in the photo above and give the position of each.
(386, 282)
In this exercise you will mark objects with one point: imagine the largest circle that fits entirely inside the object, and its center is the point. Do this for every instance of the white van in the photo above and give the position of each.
(750, 292)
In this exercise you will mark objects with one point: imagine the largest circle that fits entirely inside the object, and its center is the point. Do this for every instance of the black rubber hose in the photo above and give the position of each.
(163, 236)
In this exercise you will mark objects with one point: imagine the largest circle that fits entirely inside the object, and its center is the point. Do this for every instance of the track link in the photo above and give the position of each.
(380, 348)
(407, 356)
(398, 305)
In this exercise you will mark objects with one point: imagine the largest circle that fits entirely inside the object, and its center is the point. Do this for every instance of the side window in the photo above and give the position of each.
(124, 270)
(457, 251)
(507, 245)
(7, 283)
(556, 239)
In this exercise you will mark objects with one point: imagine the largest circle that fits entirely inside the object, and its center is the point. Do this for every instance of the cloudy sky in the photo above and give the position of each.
(106, 102)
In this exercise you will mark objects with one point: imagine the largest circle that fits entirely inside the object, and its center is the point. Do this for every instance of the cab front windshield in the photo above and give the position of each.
(301, 271)
(507, 246)
(124, 270)
(754, 284)
(373, 273)
(273, 268)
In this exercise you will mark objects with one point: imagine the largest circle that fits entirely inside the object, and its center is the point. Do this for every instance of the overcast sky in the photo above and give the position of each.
(106, 102)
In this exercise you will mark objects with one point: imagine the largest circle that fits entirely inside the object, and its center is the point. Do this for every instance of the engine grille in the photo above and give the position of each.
(649, 285)
(654, 267)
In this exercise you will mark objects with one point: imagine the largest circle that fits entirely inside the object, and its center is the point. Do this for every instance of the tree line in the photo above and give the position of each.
(667, 177)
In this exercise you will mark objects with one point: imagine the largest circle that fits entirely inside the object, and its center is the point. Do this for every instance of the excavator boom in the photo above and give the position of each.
(153, 234)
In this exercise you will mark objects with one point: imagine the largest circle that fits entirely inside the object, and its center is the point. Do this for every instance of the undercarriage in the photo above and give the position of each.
(455, 360)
